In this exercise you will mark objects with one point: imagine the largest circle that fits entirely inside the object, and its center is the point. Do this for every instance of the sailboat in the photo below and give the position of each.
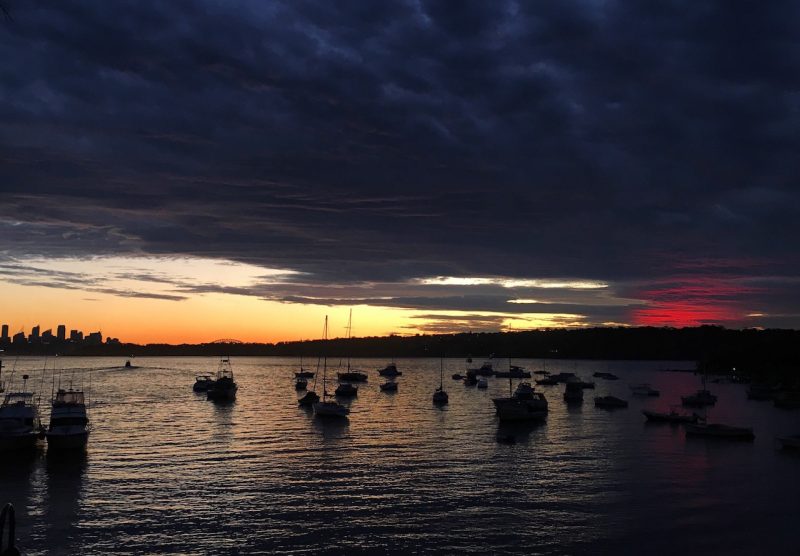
(303, 373)
(326, 407)
(440, 396)
(351, 375)
(701, 398)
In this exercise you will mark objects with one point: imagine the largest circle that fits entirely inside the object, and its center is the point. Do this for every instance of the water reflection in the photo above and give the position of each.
(168, 471)
(65, 475)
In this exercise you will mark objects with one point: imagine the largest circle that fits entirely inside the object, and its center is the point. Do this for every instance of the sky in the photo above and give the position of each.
(196, 170)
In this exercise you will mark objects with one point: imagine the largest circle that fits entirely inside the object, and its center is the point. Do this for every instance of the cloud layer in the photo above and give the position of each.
(371, 146)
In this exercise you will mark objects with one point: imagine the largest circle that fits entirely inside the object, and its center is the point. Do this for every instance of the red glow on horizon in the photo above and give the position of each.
(692, 301)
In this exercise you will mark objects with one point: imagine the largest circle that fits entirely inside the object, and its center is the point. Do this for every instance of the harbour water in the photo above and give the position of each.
(169, 472)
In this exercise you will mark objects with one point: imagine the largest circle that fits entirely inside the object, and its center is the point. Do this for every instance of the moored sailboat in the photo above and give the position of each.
(440, 397)
(326, 407)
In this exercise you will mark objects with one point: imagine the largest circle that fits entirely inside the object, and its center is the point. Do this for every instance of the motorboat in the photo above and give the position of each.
(610, 402)
(789, 442)
(573, 392)
(760, 392)
(719, 430)
(69, 425)
(563, 377)
(643, 390)
(128, 364)
(457, 376)
(672, 416)
(389, 387)
(701, 398)
(300, 384)
(543, 373)
(390, 370)
(20, 426)
(328, 408)
(470, 379)
(524, 391)
(440, 397)
(224, 387)
(583, 383)
(513, 372)
(484, 370)
(483, 384)
(607, 376)
(346, 390)
(549, 381)
(523, 405)
(202, 383)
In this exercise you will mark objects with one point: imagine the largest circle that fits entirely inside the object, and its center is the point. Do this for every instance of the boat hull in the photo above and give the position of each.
(330, 410)
(513, 409)
(222, 395)
(656, 417)
(19, 443)
(67, 442)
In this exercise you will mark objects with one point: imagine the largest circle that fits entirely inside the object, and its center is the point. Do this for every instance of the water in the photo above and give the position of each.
(169, 472)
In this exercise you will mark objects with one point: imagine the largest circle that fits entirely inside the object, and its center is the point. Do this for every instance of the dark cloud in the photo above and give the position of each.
(380, 142)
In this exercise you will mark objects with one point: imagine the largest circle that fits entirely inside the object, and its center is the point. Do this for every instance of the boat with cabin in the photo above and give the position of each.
(484, 370)
(671, 416)
(69, 423)
(514, 371)
(202, 383)
(610, 402)
(524, 404)
(607, 376)
(644, 389)
(483, 383)
(390, 370)
(224, 388)
(20, 427)
(300, 384)
(701, 398)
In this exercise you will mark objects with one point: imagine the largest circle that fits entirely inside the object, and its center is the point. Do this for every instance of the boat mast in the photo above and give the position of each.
(325, 362)
(441, 373)
(349, 331)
